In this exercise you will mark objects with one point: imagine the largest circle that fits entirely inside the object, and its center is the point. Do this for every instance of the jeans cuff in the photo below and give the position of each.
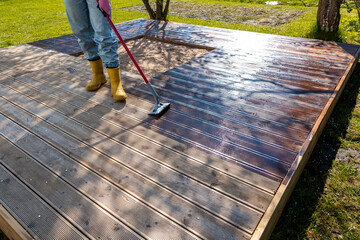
(94, 58)
(112, 65)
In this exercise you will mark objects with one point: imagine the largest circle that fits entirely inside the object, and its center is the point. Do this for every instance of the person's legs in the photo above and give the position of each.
(77, 12)
(103, 36)
(107, 44)
(78, 15)
(97, 40)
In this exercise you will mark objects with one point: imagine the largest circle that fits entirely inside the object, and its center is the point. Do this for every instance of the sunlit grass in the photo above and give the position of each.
(339, 204)
(31, 20)
(46, 19)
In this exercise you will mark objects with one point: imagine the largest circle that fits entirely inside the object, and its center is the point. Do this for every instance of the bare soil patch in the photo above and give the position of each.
(345, 155)
(266, 16)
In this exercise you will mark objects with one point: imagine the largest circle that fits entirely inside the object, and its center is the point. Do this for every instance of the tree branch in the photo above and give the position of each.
(166, 10)
(149, 9)
(357, 5)
(159, 6)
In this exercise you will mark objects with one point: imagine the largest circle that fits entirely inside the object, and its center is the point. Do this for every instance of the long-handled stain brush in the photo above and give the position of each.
(159, 108)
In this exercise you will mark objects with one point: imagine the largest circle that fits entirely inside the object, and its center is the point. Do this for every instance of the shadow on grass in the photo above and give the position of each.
(297, 214)
(316, 34)
(2, 236)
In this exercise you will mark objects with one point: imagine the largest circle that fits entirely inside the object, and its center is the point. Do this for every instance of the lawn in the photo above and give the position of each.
(326, 201)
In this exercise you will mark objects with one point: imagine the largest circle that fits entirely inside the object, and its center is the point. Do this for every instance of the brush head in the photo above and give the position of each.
(159, 109)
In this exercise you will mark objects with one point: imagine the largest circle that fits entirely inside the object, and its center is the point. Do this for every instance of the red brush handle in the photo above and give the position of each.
(127, 49)
(123, 43)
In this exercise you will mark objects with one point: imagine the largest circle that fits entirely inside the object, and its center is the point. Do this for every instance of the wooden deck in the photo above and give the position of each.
(220, 164)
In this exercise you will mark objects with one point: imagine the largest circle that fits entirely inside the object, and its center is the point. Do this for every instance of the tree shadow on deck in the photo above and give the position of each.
(297, 214)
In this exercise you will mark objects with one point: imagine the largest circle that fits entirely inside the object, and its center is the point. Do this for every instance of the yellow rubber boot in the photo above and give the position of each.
(117, 90)
(98, 75)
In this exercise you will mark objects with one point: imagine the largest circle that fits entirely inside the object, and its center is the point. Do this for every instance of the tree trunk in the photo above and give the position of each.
(149, 9)
(357, 4)
(328, 15)
(160, 13)
(166, 9)
(159, 6)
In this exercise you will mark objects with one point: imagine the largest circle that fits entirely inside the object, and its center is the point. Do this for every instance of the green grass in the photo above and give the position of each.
(2, 236)
(28, 21)
(338, 206)
(31, 20)
(325, 202)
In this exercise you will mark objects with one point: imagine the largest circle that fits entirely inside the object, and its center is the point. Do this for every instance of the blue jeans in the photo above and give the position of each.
(94, 33)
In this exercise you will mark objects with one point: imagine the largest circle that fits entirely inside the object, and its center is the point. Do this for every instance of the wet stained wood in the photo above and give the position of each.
(171, 134)
(70, 86)
(207, 93)
(219, 164)
(127, 120)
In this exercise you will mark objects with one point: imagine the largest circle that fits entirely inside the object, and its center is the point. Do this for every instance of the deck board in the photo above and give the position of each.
(99, 192)
(131, 111)
(239, 217)
(139, 136)
(32, 210)
(220, 164)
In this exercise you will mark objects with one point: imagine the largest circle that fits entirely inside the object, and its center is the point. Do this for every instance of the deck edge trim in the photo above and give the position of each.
(269, 220)
(11, 226)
